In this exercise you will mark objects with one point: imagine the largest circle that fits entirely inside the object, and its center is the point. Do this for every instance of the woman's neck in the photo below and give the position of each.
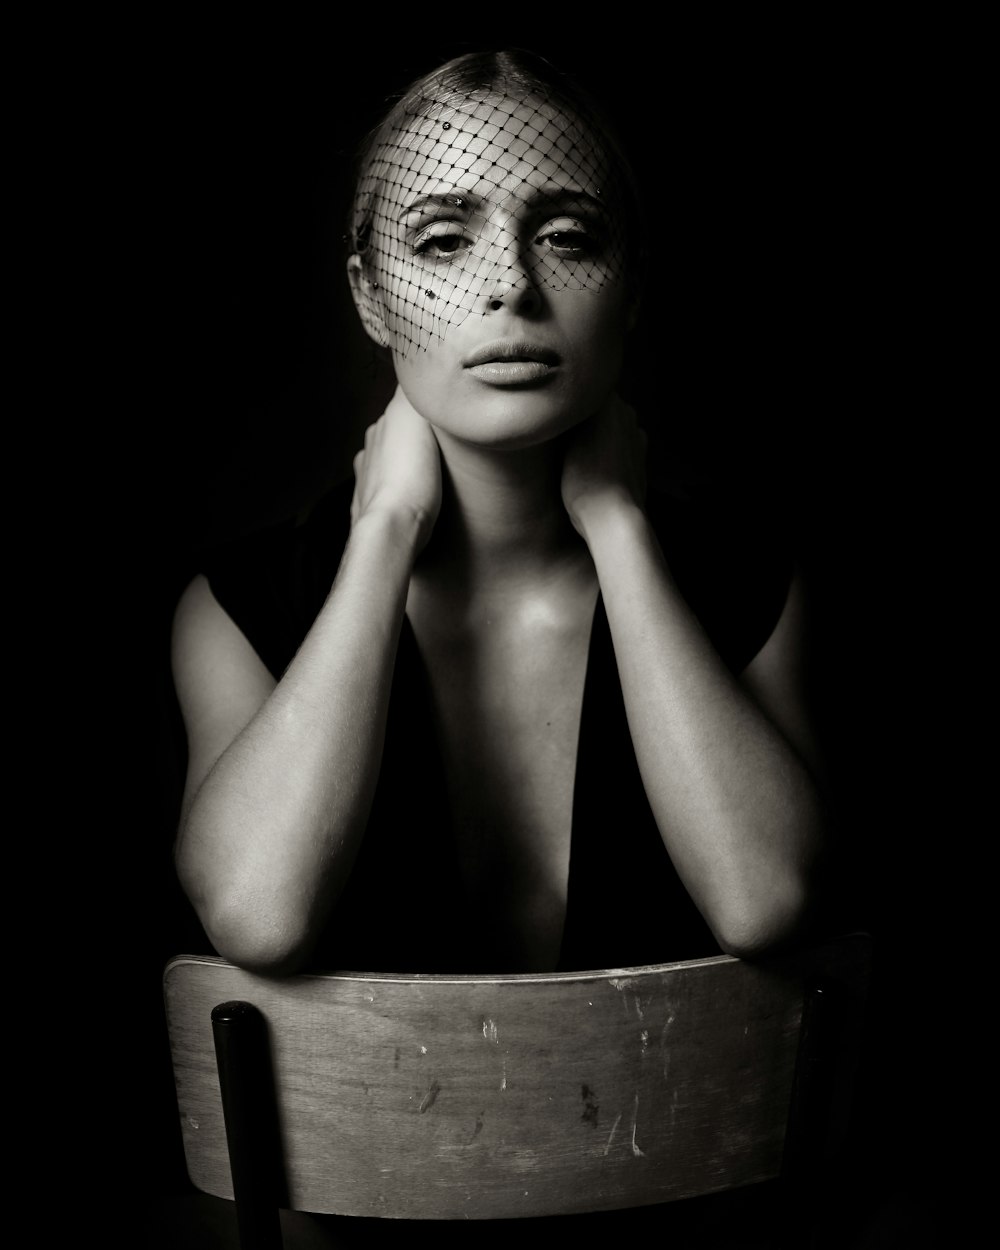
(502, 518)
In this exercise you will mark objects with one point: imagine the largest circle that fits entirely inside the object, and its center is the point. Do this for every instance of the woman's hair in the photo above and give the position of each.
(582, 139)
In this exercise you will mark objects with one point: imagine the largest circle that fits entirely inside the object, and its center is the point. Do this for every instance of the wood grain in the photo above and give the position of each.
(490, 1097)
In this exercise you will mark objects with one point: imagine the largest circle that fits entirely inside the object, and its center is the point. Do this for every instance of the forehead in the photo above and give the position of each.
(491, 144)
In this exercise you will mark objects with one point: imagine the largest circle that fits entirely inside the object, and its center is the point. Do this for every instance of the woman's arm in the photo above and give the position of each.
(281, 774)
(728, 764)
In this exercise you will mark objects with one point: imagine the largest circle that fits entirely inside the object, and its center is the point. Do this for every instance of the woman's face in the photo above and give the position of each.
(496, 270)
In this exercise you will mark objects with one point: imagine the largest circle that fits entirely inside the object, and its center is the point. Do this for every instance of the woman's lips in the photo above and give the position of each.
(511, 362)
(511, 372)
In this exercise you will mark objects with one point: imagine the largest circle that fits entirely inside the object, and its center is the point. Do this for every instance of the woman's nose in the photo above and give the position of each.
(516, 295)
(510, 283)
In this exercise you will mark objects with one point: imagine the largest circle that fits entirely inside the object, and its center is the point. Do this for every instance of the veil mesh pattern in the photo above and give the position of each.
(468, 195)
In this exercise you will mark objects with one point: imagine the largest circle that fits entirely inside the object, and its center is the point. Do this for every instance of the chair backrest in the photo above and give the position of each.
(498, 1096)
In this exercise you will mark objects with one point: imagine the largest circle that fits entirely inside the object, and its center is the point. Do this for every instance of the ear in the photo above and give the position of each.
(367, 300)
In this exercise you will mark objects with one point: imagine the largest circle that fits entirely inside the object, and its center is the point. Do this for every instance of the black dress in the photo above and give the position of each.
(626, 904)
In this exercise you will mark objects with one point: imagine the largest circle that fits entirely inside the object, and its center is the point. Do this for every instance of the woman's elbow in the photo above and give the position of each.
(773, 904)
(268, 945)
(753, 927)
(265, 937)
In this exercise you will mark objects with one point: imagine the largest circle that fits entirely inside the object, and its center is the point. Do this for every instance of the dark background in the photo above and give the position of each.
(783, 350)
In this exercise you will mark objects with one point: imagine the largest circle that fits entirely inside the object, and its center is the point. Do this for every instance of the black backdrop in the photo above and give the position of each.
(776, 352)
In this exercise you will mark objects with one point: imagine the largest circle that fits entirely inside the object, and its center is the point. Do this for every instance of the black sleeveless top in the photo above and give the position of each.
(626, 904)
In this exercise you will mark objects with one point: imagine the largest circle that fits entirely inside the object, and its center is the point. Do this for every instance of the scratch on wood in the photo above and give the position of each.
(624, 986)
(395, 1062)
(490, 1031)
(429, 1097)
(635, 1116)
(644, 1038)
(614, 1129)
(621, 985)
(503, 1079)
(663, 1044)
(370, 997)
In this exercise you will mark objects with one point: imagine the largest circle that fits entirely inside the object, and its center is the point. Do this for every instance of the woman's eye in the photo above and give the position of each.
(569, 239)
(441, 241)
(568, 242)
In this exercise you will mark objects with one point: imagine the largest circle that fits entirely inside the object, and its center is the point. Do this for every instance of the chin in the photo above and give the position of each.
(512, 422)
(512, 417)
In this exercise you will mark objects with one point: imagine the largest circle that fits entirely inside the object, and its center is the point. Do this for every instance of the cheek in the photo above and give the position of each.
(415, 315)
(424, 379)
(421, 304)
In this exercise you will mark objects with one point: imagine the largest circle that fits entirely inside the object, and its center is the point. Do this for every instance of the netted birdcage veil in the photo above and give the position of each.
(482, 178)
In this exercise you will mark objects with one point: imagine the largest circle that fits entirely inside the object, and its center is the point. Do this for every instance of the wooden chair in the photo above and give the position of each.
(451, 1097)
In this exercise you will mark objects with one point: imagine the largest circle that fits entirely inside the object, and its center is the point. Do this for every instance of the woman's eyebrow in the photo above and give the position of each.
(565, 197)
(547, 197)
(450, 200)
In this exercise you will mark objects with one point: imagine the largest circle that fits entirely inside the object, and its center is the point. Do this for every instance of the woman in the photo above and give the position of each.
(499, 711)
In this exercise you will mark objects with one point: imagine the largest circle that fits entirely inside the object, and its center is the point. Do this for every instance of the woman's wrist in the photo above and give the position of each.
(403, 528)
(608, 520)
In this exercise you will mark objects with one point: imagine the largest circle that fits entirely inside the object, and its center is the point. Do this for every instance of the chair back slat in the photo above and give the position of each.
(490, 1097)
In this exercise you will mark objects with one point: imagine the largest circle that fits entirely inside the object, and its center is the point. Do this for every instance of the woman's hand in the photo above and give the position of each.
(605, 465)
(399, 468)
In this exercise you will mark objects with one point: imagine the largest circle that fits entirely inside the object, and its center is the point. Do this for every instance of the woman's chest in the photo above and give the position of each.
(506, 705)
